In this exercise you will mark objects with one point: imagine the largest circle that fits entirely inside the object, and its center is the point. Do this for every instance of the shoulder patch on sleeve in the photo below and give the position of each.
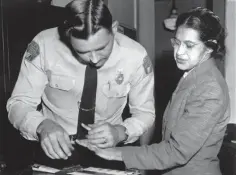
(32, 51)
(147, 65)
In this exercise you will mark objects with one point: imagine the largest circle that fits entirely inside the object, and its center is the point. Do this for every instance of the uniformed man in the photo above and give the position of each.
(82, 62)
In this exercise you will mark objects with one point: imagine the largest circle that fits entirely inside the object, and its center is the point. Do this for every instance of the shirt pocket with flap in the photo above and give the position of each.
(114, 98)
(62, 82)
(114, 90)
(60, 91)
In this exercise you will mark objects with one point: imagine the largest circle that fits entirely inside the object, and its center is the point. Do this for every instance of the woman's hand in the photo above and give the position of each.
(108, 153)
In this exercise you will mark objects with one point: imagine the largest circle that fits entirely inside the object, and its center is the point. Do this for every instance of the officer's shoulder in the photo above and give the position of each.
(130, 45)
(48, 34)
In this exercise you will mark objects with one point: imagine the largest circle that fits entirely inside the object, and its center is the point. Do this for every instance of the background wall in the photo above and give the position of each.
(146, 26)
(230, 62)
(137, 14)
(219, 9)
(123, 11)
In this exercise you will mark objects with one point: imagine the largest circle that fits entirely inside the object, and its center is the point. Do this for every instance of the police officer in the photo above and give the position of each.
(53, 73)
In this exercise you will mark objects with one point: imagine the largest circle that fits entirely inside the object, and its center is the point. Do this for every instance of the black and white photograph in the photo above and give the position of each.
(118, 87)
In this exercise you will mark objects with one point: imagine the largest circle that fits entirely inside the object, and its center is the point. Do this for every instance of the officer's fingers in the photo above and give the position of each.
(99, 123)
(68, 141)
(86, 144)
(97, 141)
(46, 151)
(99, 129)
(83, 142)
(56, 147)
(97, 135)
(102, 143)
(100, 136)
(48, 146)
(64, 146)
(85, 127)
(108, 142)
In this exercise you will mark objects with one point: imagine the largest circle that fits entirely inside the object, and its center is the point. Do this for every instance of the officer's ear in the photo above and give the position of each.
(115, 26)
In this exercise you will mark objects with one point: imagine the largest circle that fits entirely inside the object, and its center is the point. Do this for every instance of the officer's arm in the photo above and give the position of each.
(26, 96)
(141, 103)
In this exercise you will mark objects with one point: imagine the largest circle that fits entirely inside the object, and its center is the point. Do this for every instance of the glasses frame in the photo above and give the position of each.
(175, 45)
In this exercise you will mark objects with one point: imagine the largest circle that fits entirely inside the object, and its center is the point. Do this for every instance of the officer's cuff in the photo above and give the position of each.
(131, 133)
(30, 125)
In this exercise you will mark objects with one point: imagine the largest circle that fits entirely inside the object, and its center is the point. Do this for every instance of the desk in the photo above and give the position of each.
(89, 171)
(27, 172)
(23, 172)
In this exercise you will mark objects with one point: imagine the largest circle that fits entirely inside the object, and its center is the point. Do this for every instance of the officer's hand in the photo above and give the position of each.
(105, 135)
(54, 140)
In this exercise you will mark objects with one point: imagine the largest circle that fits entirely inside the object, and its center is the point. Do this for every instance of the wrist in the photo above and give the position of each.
(122, 135)
(119, 154)
(40, 127)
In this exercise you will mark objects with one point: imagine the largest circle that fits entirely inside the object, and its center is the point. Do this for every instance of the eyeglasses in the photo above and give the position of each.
(188, 45)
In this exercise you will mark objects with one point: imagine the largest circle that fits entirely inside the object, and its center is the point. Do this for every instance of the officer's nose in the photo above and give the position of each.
(94, 58)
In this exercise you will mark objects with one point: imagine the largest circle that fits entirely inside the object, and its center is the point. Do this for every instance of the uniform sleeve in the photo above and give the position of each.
(26, 95)
(141, 101)
(202, 112)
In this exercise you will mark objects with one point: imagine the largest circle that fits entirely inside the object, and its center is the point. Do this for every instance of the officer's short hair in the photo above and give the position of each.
(85, 18)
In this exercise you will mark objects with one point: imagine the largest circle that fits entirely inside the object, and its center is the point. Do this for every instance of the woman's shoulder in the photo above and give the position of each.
(208, 73)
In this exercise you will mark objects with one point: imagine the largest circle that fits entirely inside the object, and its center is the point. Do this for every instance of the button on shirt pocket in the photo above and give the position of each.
(65, 83)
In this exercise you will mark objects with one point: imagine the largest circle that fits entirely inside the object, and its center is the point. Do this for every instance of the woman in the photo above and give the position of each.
(195, 119)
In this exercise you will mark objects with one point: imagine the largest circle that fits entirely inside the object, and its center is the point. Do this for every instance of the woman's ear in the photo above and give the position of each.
(209, 50)
(210, 43)
(207, 53)
(115, 26)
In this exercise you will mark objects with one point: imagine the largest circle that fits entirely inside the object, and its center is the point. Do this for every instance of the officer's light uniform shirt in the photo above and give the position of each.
(50, 75)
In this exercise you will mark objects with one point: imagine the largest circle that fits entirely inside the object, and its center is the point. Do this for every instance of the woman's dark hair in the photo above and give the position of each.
(208, 25)
(84, 18)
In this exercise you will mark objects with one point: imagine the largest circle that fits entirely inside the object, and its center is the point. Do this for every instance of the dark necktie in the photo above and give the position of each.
(88, 101)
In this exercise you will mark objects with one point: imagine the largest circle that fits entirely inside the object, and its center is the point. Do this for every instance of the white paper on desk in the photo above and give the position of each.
(43, 168)
(107, 171)
(79, 173)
